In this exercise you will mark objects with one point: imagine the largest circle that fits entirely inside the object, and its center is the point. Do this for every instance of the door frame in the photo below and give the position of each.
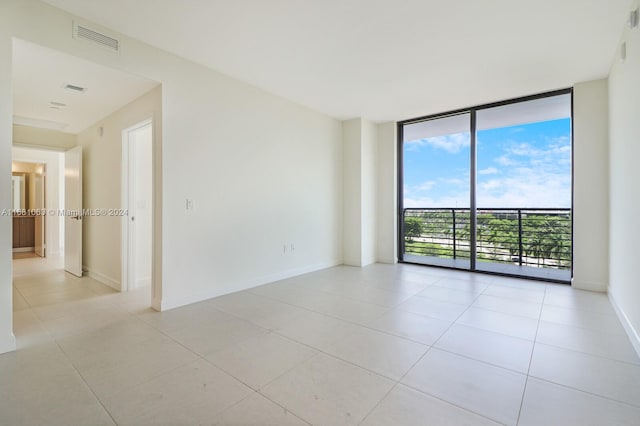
(127, 235)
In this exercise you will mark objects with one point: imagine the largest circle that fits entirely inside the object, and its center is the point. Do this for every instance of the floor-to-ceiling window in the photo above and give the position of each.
(489, 188)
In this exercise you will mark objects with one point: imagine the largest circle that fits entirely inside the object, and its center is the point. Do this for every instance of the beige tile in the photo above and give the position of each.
(28, 329)
(113, 340)
(445, 294)
(62, 399)
(341, 307)
(433, 308)
(482, 388)
(550, 404)
(600, 376)
(408, 283)
(210, 337)
(259, 360)
(126, 366)
(522, 294)
(493, 348)
(475, 284)
(193, 394)
(19, 302)
(78, 322)
(411, 326)
(38, 385)
(520, 283)
(256, 410)
(316, 330)
(366, 292)
(511, 325)
(509, 306)
(43, 299)
(581, 300)
(608, 323)
(608, 345)
(387, 355)
(327, 391)
(260, 310)
(406, 406)
(184, 317)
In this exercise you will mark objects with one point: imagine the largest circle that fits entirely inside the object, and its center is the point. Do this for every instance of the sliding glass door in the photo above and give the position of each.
(437, 191)
(489, 188)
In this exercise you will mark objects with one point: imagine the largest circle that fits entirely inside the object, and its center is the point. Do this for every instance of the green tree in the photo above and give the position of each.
(413, 227)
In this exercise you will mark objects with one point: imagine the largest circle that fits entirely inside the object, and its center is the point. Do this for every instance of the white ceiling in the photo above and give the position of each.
(380, 59)
(39, 74)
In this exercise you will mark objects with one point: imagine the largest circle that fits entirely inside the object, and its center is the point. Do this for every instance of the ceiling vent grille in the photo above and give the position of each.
(74, 88)
(82, 32)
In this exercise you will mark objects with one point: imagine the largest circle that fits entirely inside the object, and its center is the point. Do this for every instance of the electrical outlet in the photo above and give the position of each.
(293, 248)
(284, 249)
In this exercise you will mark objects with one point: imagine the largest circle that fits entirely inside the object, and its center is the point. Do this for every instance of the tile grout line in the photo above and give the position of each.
(595, 395)
(430, 347)
(524, 391)
(85, 382)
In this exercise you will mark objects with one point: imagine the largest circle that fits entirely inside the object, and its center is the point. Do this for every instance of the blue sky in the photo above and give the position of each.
(519, 166)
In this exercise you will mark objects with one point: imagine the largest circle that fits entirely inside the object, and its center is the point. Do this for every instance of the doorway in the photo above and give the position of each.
(62, 103)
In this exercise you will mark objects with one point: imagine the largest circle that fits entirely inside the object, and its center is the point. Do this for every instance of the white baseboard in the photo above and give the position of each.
(634, 337)
(352, 262)
(588, 285)
(166, 303)
(391, 261)
(104, 279)
(7, 344)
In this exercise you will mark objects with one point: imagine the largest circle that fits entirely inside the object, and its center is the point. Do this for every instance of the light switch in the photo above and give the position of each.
(189, 204)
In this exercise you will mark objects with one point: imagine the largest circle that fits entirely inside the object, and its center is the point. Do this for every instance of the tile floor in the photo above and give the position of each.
(382, 345)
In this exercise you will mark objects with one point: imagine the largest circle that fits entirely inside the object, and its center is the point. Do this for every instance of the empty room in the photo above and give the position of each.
(319, 213)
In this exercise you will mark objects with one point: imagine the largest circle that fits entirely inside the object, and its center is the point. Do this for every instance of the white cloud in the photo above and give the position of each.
(505, 160)
(452, 144)
(488, 171)
(426, 186)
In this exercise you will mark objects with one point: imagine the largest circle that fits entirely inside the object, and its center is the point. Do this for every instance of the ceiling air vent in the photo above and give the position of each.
(80, 31)
(74, 88)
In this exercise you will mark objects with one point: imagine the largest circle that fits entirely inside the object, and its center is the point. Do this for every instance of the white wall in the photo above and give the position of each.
(387, 193)
(33, 137)
(624, 124)
(7, 339)
(261, 170)
(101, 186)
(360, 145)
(352, 206)
(591, 185)
(369, 199)
(53, 196)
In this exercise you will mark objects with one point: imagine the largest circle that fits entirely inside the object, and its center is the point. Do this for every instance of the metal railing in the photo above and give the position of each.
(525, 237)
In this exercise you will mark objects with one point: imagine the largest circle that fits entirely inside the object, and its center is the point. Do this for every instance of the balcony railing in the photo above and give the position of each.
(539, 238)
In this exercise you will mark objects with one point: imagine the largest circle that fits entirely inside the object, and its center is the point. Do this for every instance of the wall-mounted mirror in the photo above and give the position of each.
(19, 191)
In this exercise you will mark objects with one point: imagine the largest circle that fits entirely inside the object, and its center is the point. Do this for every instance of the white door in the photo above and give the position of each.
(39, 206)
(73, 211)
(137, 197)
